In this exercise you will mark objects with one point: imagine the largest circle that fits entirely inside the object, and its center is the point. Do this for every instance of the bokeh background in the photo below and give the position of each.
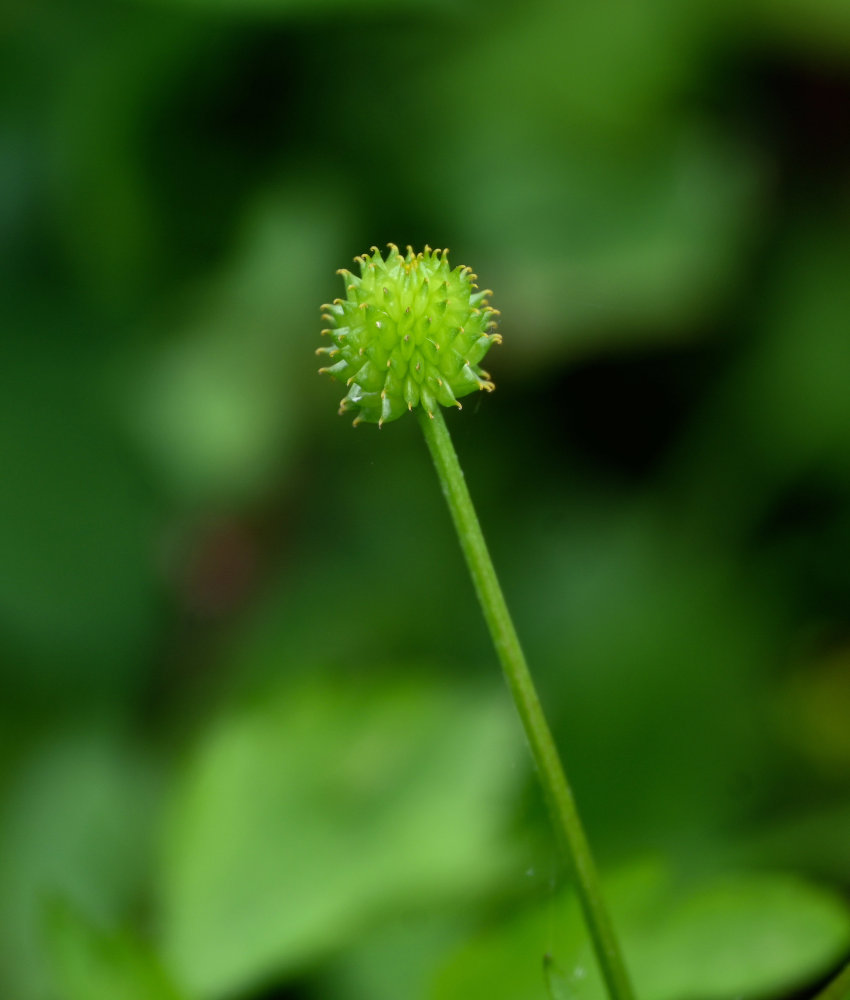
(253, 739)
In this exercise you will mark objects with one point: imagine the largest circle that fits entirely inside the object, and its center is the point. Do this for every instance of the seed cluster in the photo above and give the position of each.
(410, 331)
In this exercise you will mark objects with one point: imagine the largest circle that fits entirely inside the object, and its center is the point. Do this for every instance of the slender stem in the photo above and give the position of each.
(838, 988)
(550, 771)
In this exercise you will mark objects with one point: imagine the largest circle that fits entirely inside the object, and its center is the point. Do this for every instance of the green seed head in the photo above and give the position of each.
(410, 331)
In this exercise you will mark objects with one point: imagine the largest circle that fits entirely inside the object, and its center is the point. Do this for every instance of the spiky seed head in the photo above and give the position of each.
(410, 331)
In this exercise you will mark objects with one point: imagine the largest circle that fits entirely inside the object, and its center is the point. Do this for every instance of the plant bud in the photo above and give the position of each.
(410, 332)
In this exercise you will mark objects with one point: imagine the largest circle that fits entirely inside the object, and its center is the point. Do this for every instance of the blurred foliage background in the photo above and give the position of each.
(253, 740)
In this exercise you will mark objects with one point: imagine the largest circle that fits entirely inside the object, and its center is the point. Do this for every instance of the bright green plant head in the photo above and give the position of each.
(411, 331)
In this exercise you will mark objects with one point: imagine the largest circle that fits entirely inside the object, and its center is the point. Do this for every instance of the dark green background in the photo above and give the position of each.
(253, 741)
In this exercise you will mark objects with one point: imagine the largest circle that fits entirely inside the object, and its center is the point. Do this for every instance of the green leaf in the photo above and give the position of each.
(628, 246)
(396, 960)
(76, 825)
(750, 935)
(304, 818)
(91, 964)
(753, 934)
(216, 406)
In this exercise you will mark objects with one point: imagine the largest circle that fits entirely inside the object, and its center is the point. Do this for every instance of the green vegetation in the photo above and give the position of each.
(252, 741)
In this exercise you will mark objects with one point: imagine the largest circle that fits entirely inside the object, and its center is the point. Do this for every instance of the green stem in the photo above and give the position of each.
(838, 988)
(550, 771)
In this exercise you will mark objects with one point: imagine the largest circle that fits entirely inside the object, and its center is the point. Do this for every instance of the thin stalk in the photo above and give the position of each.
(558, 794)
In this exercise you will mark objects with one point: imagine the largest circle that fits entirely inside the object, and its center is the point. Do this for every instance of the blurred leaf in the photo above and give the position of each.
(754, 934)
(518, 958)
(305, 817)
(599, 216)
(608, 67)
(397, 959)
(630, 243)
(218, 404)
(751, 935)
(75, 823)
(91, 964)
